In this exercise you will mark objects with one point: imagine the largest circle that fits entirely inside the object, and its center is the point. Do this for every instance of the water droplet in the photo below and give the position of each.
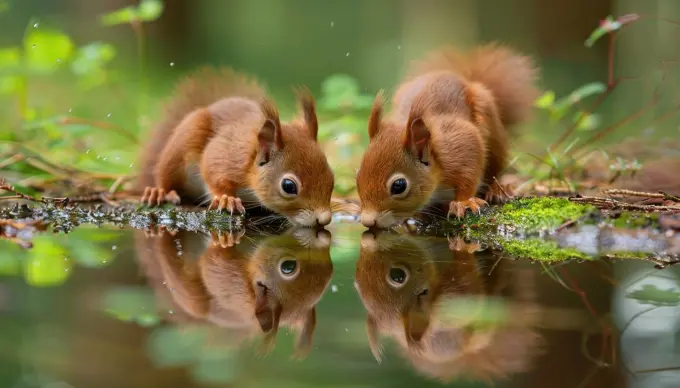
(334, 288)
(114, 247)
(34, 46)
(108, 115)
(332, 24)
(399, 47)
(347, 330)
(35, 25)
(165, 282)
(103, 261)
(58, 60)
(98, 157)
(347, 55)
(117, 157)
(70, 110)
(87, 152)
(172, 64)
(131, 165)
(171, 312)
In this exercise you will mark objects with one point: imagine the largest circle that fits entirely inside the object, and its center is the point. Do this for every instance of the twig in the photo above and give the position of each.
(101, 125)
(11, 160)
(612, 204)
(6, 187)
(502, 189)
(566, 225)
(660, 194)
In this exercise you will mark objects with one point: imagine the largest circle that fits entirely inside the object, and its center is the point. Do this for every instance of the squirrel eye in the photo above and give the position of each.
(289, 186)
(397, 276)
(398, 186)
(288, 267)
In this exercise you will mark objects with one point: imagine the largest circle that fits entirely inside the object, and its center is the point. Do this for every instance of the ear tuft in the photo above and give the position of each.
(269, 137)
(376, 114)
(308, 108)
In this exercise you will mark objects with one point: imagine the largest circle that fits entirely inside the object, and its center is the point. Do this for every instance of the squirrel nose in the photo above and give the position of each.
(368, 219)
(323, 218)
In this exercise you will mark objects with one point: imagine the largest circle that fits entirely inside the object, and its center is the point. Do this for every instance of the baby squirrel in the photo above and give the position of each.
(448, 130)
(221, 137)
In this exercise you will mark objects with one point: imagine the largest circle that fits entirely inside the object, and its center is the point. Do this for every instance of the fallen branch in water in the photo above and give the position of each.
(613, 204)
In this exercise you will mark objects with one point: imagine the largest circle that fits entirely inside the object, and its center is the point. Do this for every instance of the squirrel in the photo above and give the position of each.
(448, 130)
(248, 288)
(221, 136)
(409, 286)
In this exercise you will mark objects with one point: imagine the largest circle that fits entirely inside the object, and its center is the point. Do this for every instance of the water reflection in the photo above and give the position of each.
(248, 287)
(453, 314)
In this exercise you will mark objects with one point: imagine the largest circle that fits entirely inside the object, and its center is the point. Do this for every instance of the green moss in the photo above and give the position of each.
(630, 220)
(636, 255)
(541, 250)
(530, 215)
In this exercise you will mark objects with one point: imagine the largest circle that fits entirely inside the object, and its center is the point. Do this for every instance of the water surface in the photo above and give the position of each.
(342, 307)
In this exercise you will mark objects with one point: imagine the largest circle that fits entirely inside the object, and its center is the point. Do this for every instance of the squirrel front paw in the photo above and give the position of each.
(157, 196)
(498, 194)
(228, 240)
(221, 202)
(458, 208)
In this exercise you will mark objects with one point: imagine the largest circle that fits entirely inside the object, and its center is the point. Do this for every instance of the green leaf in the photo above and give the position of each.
(586, 122)
(121, 16)
(46, 50)
(92, 57)
(609, 25)
(48, 263)
(546, 100)
(652, 295)
(150, 10)
(10, 84)
(10, 57)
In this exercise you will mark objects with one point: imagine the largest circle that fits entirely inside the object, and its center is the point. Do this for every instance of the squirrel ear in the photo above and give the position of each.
(376, 114)
(308, 107)
(417, 139)
(269, 137)
(304, 342)
(374, 338)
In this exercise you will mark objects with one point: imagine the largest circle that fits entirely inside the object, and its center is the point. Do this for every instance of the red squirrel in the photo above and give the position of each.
(448, 131)
(415, 289)
(249, 288)
(221, 136)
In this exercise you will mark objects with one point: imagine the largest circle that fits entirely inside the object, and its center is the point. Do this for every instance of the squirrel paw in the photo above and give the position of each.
(158, 231)
(156, 196)
(458, 244)
(228, 240)
(498, 194)
(226, 202)
(458, 208)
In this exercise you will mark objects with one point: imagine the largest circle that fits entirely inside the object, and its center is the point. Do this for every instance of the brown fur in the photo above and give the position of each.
(447, 131)
(224, 285)
(223, 125)
(436, 344)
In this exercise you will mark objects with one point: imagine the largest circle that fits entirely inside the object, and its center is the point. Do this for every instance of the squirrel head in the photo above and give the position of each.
(395, 279)
(396, 176)
(292, 176)
(279, 282)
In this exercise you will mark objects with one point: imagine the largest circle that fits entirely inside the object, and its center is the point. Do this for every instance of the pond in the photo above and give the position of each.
(343, 306)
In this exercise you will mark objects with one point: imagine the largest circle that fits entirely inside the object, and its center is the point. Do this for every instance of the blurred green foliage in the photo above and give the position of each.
(146, 11)
(131, 304)
(53, 258)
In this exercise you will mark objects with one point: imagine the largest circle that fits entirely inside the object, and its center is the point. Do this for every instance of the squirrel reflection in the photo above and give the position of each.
(410, 285)
(248, 287)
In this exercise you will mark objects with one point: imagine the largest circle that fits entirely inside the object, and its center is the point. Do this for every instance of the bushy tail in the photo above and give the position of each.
(510, 76)
(198, 89)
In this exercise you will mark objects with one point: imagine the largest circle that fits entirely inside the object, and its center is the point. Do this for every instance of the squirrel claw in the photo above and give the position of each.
(228, 240)
(458, 244)
(155, 196)
(226, 202)
(497, 194)
(458, 208)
